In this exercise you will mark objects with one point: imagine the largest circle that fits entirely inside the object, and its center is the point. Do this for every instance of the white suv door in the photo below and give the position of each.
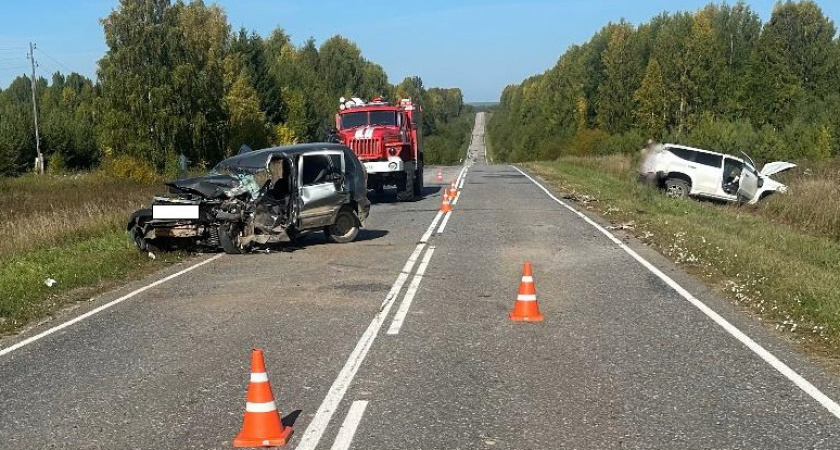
(749, 184)
(707, 174)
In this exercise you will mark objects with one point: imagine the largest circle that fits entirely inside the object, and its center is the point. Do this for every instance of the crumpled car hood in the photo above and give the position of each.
(776, 167)
(209, 186)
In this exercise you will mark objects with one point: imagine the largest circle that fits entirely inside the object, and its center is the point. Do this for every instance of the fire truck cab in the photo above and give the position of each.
(387, 139)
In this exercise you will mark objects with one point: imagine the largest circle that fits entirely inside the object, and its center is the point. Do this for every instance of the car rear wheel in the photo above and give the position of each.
(677, 188)
(345, 228)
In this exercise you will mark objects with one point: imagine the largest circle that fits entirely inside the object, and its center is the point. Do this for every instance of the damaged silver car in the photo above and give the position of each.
(259, 198)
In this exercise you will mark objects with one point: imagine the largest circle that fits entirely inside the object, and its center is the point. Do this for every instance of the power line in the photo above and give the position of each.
(69, 71)
(13, 68)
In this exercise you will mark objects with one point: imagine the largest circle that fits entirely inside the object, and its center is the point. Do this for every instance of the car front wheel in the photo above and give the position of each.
(138, 235)
(230, 235)
(677, 188)
(344, 229)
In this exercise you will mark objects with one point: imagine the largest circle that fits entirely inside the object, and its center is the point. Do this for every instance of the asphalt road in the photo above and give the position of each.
(403, 338)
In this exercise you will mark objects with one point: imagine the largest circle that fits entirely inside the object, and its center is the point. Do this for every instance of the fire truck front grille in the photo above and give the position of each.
(366, 148)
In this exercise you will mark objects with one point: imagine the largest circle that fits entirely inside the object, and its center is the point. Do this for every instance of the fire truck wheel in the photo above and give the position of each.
(345, 228)
(405, 190)
(418, 182)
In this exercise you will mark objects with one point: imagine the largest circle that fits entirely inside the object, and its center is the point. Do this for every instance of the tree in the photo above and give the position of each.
(621, 60)
(136, 79)
(653, 98)
(163, 80)
(251, 48)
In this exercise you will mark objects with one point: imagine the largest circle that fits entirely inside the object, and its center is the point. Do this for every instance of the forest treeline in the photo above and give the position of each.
(716, 78)
(176, 79)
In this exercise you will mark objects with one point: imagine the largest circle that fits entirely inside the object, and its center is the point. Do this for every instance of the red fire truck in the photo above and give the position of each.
(388, 140)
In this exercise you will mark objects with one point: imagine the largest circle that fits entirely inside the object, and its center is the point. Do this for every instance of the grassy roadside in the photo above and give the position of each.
(786, 273)
(70, 229)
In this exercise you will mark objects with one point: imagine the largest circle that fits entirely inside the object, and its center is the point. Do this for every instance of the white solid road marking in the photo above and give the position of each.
(351, 423)
(312, 435)
(461, 175)
(104, 307)
(431, 228)
(406, 271)
(323, 415)
(445, 221)
(768, 357)
(457, 196)
(399, 316)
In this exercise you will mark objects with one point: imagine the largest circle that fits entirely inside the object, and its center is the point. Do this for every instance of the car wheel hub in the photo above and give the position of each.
(342, 225)
(676, 191)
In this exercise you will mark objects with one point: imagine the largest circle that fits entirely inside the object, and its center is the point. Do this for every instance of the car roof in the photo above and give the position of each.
(258, 158)
(685, 147)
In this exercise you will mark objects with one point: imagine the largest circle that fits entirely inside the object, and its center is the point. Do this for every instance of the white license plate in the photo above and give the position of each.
(175, 211)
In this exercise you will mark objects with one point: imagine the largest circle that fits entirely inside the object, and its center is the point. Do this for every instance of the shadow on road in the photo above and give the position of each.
(390, 195)
(291, 418)
(314, 239)
(503, 175)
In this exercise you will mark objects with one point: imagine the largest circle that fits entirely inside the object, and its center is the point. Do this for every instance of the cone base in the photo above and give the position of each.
(537, 318)
(283, 439)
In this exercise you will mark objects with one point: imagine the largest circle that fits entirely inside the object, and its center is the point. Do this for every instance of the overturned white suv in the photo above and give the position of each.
(682, 171)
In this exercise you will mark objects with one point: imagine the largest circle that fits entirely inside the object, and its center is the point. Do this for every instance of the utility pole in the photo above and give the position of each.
(39, 160)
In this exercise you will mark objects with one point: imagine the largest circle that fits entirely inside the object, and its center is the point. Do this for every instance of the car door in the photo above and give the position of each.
(749, 184)
(707, 174)
(323, 187)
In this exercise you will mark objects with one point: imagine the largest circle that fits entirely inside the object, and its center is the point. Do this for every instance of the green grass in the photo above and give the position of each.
(71, 229)
(785, 272)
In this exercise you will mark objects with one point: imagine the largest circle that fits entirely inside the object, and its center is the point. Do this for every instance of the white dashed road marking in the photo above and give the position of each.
(351, 423)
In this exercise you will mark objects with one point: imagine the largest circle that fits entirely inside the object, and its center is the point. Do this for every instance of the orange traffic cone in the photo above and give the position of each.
(262, 426)
(526, 308)
(445, 206)
(453, 190)
(440, 175)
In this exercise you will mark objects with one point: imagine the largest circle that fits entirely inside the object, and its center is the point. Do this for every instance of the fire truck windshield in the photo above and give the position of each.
(383, 118)
(362, 118)
(354, 119)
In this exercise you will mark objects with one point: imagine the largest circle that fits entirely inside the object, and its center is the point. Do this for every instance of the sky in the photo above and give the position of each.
(480, 46)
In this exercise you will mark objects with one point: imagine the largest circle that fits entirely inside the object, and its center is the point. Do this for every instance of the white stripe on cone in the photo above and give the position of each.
(260, 407)
(259, 377)
(526, 298)
(527, 279)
